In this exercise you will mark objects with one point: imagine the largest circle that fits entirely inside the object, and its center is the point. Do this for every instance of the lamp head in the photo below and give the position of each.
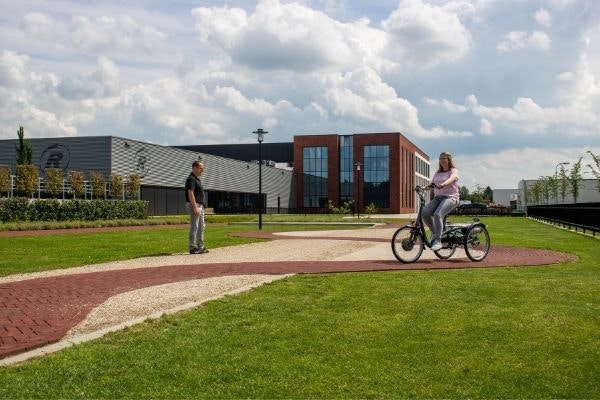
(261, 134)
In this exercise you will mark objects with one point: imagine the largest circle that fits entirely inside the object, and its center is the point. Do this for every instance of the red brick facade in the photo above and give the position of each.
(402, 167)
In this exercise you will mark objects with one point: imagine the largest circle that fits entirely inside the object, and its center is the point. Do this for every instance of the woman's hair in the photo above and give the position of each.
(450, 162)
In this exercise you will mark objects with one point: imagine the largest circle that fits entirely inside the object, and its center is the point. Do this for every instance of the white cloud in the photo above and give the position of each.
(362, 95)
(425, 35)
(486, 127)
(446, 104)
(518, 40)
(526, 116)
(543, 17)
(504, 169)
(122, 33)
(103, 82)
(288, 37)
(529, 117)
(221, 26)
(13, 69)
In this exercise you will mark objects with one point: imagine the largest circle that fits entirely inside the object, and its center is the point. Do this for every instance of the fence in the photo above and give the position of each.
(583, 216)
(67, 191)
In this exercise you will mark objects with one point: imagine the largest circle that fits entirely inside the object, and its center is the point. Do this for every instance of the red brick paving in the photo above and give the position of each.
(40, 311)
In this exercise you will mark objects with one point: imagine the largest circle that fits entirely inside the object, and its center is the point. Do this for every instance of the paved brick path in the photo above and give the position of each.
(40, 311)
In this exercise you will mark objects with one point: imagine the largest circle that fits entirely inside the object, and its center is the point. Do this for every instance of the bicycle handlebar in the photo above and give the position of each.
(431, 186)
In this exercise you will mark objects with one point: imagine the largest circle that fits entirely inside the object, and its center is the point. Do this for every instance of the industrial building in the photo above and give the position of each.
(379, 169)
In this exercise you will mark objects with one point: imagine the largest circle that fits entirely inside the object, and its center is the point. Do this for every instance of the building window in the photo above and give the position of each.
(376, 176)
(346, 168)
(315, 176)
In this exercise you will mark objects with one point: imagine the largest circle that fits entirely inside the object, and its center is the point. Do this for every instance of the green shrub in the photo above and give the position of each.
(14, 209)
(22, 209)
(371, 209)
(44, 210)
(346, 208)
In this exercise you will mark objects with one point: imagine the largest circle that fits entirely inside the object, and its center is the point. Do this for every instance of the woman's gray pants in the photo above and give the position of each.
(434, 213)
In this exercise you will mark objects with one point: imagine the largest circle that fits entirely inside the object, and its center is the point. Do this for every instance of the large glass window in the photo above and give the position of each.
(376, 176)
(346, 168)
(315, 176)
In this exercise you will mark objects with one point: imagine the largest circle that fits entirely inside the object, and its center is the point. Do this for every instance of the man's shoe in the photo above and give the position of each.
(435, 246)
(194, 251)
(202, 250)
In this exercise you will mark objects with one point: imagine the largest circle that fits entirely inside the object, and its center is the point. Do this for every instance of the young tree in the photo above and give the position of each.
(53, 181)
(477, 195)
(24, 151)
(116, 185)
(5, 179)
(595, 169)
(464, 193)
(77, 184)
(536, 192)
(563, 183)
(133, 188)
(27, 179)
(488, 194)
(575, 179)
(98, 185)
(553, 187)
(544, 188)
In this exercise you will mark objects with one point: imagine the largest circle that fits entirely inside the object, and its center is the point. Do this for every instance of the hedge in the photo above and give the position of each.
(23, 209)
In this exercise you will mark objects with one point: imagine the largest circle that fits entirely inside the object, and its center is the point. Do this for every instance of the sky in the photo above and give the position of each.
(510, 87)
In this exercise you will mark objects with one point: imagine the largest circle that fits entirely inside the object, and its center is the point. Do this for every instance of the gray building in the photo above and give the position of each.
(589, 192)
(232, 185)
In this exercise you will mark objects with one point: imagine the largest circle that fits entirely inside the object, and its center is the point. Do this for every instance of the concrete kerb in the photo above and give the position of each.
(64, 344)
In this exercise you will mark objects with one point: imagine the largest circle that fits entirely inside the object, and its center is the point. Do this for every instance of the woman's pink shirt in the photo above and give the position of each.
(450, 190)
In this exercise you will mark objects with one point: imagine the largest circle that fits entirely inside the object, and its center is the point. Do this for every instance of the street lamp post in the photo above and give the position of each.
(358, 165)
(556, 179)
(261, 136)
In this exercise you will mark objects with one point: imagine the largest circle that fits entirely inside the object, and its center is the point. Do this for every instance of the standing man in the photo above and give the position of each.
(194, 204)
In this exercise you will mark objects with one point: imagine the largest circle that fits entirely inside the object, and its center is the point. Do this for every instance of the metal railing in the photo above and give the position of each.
(68, 193)
(585, 229)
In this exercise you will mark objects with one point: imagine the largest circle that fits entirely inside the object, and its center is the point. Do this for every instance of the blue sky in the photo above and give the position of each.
(510, 87)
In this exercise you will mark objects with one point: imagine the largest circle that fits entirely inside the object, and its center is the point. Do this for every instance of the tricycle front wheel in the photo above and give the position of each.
(407, 244)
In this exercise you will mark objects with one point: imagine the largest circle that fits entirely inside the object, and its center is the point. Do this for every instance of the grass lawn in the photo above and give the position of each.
(23, 254)
(531, 332)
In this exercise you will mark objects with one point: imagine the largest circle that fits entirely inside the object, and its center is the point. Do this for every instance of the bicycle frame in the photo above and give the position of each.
(418, 224)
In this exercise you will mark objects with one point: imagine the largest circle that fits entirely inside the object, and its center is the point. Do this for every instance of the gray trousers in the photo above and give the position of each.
(434, 213)
(196, 235)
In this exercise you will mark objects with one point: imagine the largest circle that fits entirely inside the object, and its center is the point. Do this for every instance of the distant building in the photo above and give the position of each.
(301, 176)
(588, 193)
(506, 197)
(326, 167)
(231, 185)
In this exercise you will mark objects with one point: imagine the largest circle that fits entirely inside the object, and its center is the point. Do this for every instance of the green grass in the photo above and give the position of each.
(23, 254)
(524, 332)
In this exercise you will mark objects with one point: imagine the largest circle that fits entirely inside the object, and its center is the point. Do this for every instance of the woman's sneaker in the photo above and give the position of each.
(436, 245)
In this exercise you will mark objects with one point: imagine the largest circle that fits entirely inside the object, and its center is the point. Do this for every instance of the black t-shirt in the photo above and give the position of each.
(194, 183)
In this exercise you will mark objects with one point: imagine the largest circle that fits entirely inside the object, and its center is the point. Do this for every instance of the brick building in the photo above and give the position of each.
(369, 168)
